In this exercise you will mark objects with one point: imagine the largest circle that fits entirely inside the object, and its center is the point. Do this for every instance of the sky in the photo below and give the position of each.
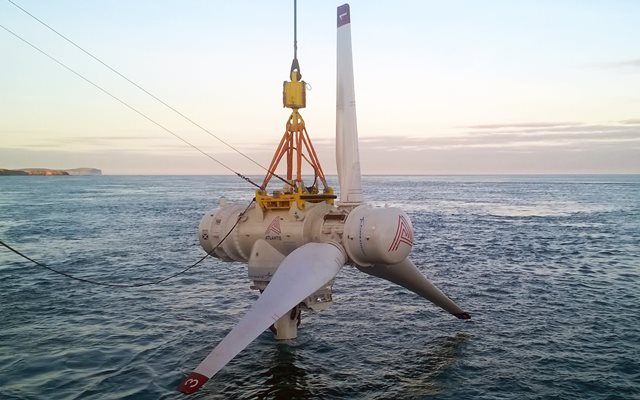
(442, 87)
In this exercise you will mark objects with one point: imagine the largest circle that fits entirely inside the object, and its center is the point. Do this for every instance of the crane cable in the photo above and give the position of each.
(165, 129)
(135, 285)
(128, 105)
(143, 90)
(295, 65)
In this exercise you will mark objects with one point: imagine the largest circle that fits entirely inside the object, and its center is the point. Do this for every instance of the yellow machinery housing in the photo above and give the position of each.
(294, 93)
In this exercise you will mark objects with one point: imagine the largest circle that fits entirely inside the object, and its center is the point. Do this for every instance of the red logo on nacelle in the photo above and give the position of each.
(274, 227)
(403, 234)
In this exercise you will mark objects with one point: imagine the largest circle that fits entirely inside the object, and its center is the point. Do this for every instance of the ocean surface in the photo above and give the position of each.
(548, 267)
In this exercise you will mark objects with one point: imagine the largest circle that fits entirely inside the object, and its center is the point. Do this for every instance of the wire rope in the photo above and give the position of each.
(135, 285)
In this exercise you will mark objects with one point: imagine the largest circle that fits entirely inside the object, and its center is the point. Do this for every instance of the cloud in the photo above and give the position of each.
(526, 148)
(627, 64)
(98, 143)
(630, 63)
(534, 136)
(522, 125)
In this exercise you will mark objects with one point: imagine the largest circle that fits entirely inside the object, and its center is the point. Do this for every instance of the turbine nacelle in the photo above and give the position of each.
(369, 235)
(376, 235)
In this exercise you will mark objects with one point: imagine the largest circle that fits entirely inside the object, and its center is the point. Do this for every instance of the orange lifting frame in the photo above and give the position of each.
(294, 139)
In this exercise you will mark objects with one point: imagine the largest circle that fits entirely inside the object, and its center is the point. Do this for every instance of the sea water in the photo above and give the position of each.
(548, 267)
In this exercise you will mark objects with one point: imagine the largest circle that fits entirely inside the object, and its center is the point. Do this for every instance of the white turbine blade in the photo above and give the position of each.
(347, 155)
(408, 276)
(301, 273)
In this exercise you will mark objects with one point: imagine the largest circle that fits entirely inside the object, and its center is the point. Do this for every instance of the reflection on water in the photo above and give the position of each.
(414, 372)
(421, 371)
(440, 353)
(284, 379)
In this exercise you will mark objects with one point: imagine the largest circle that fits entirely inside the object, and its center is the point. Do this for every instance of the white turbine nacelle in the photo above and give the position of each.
(369, 235)
(377, 235)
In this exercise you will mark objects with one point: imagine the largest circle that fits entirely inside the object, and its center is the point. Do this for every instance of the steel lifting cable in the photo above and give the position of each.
(2, 243)
(295, 65)
(135, 285)
(128, 105)
(148, 93)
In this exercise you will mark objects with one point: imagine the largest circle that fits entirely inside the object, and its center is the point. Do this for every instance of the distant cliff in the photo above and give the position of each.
(43, 171)
(11, 172)
(83, 171)
(49, 172)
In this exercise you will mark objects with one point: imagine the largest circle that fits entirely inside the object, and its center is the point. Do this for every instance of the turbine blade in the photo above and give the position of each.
(407, 275)
(301, 273)
(347, 154)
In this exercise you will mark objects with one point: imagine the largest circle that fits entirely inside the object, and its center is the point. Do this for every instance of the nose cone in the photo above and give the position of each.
(215, 226)
(377, 235)
(206, 231)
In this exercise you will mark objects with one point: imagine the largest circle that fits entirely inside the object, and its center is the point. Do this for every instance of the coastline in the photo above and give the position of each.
(50, 172)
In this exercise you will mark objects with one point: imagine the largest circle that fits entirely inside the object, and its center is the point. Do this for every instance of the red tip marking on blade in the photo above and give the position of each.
(344, 16)
(192, 383)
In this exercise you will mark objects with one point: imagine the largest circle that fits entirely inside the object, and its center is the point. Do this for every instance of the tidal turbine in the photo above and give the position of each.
(296, 239)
